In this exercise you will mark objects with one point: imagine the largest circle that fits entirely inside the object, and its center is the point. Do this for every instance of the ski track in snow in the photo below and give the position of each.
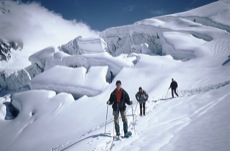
(204, 89)
(176, 123)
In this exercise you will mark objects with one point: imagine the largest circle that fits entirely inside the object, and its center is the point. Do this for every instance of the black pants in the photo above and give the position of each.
(174, 91)
(142, 106)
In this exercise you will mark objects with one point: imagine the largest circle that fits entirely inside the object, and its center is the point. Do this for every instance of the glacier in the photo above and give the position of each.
(61, 95)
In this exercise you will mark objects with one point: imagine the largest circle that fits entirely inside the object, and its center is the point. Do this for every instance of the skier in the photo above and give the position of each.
(173, 87)
(141, 97)
(117, 99)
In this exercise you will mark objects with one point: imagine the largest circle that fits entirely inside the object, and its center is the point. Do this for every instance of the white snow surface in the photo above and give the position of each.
(77, 81)
(195, 53)
(88, 60)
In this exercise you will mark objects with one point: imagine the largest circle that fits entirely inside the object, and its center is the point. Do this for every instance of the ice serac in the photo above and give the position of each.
(84, 46)
(41, 56)
(133, 38)
(115, 64)
(14, 80)
(76, 81)
(55, 121)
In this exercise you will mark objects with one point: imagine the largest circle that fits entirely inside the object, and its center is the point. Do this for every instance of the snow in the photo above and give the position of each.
(65, 106)
(77, 81)
(215, 126)
(15, 80)
(188, 46)
(219, 12)
(41, 56)
(84, 46)
(98, 59)
(122, 40)
(92, 45)
(34, 111)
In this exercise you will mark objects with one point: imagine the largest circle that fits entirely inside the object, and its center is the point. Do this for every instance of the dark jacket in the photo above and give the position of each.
(173, 85)
(124, 99)
(142, 97)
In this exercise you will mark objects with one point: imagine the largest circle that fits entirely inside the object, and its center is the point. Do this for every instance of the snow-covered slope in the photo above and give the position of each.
(192, 47)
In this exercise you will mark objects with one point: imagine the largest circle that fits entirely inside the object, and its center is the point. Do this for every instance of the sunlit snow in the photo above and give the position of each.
(59, 99)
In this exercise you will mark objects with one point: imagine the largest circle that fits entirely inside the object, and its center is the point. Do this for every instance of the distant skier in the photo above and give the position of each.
(173, 87)
(141, 97)
(117, 99)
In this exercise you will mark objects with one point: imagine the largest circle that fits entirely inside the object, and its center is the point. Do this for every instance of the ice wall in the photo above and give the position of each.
(132, 38)
(77, 81)
(84, 46)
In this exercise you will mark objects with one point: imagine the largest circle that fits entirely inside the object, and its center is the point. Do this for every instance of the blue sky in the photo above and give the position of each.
(102, 14)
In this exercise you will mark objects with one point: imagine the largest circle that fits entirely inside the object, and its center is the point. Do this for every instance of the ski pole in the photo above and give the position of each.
(133, 119)
(106, 117)
(167, 94)
(135, 108)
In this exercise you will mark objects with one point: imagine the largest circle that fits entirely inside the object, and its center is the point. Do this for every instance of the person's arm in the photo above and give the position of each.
(137, 97)
(170, 86)
(110, 101)
(146, 96)
(127, 99)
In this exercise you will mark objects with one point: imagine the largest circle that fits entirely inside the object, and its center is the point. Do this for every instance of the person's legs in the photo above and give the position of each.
(172, 93)
(125, 122)
(116, 122)
(175, 92)
(144, 108)
(140, 109)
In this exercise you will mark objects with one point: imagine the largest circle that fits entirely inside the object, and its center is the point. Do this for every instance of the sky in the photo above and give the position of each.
(102, 14)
